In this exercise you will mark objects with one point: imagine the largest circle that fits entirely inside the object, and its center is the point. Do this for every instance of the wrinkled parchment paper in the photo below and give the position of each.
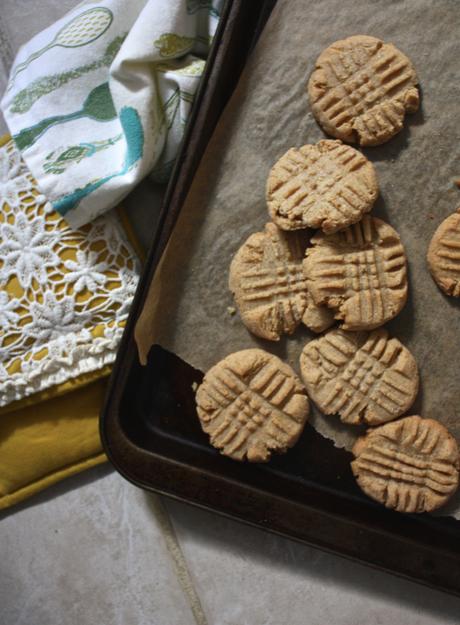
(187, 310)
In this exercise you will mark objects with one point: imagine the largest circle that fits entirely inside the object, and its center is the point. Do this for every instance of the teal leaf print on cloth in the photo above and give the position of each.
(25, 98)
(58, 164)
(134, 136)
(98, 106)
(80, 31)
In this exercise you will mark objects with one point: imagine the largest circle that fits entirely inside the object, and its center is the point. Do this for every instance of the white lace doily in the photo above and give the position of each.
(64, 294)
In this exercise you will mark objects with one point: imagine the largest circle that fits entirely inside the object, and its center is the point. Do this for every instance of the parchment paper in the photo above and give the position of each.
(187, 310)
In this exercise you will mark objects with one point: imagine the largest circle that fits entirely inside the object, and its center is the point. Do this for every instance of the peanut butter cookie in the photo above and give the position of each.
(410, 465)
(361, 89)
(359, 272)
(252, 404)
(363, 377)
(444, 255)
(328, 185)
(269, 287)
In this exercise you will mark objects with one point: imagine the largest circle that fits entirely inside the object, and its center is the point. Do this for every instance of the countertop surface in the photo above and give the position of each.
(96, 550)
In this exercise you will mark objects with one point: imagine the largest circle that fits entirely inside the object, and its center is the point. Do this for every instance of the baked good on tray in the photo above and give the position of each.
(252, 404)
(364, 377)
(352, 270)
(269, 286)
(361, 89)
(326, 185)
(444, 255)
(359, 272)
(410, 465)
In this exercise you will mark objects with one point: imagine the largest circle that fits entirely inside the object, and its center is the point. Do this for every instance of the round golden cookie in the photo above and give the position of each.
(252, 404)
(365, 377)
(269, 287)
(444, 255)
(359, 272)
(328, 185)
(410, 465)
(361, 89)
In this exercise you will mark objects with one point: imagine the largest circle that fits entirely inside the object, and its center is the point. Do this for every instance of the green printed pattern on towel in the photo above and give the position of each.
(98, 106)
(170, 44)
(58, 162)
(134, 136)
(82, 30)
(196, 68)
(24, 99)
(161, 172)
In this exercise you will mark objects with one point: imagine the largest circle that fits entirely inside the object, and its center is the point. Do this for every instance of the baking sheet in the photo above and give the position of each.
(189, 307)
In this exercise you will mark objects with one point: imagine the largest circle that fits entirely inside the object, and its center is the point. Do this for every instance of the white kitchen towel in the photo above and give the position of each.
(100, 99)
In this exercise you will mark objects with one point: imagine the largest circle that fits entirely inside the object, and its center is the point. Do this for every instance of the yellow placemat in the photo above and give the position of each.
(42, 444)
(51, 389)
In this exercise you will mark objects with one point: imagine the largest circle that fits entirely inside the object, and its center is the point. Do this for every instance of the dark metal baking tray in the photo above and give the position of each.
(150, 430)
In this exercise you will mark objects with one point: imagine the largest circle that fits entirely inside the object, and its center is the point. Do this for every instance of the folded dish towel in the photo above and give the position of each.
(64, 299)
(100, 98)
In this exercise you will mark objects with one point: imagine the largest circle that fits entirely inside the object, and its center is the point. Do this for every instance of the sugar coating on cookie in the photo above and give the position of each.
(359, 272)
(327, 185)
(252, 404)
(361, 89)
(364, 377)
(409, 465)
(269, 287)
(444, 255)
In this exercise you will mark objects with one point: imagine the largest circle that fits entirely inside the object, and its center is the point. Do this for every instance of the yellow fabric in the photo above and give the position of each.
(56, 391)
(43, 444)
(53, 433)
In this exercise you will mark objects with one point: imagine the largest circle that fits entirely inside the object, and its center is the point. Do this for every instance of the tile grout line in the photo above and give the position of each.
(178, 559)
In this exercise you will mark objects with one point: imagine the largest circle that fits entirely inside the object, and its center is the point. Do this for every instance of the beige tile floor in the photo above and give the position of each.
(95, 550)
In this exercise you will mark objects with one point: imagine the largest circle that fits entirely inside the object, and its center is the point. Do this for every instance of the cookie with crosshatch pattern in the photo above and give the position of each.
(361, 89)
(326, 185)
(359, 272)
(252, 404)
(363, 377)
(409, 465)
(444, 255)
(269, 287)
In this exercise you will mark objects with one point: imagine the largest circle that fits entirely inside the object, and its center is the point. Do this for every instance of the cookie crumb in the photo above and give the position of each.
(194, 386)
(231, 310)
